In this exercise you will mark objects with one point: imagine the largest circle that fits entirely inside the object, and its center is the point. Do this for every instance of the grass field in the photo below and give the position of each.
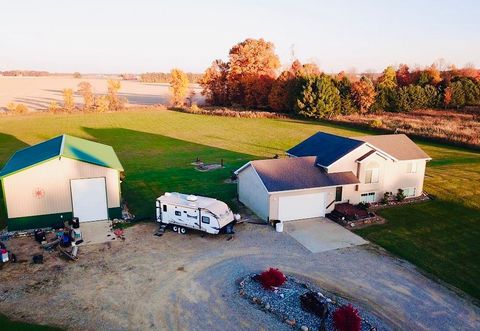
(157, 147)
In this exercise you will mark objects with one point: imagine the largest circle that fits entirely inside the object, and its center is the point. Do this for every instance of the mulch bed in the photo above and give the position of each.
(284, 302)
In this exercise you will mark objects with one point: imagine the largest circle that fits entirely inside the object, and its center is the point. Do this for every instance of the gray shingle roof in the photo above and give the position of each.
(397, 145)
(298, 173)
(327, 148)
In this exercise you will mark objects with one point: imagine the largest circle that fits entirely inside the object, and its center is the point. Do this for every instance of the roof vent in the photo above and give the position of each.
(167, 194)
(192, 198)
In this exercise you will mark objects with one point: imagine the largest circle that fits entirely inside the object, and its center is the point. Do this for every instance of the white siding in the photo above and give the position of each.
(52, 178)
(252, 192)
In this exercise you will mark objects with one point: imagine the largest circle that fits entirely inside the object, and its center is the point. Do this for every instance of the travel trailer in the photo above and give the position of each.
(183, 211)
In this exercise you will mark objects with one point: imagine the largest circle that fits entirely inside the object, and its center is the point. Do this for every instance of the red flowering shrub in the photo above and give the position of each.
(346, 318)
(272, 278)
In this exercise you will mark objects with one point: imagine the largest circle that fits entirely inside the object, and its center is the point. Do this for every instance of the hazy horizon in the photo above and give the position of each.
(141, 36)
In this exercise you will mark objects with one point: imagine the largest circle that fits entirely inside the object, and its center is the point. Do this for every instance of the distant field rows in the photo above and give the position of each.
(37, 92)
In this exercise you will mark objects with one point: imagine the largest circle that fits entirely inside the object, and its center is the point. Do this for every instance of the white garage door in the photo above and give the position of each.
(89, 199)
(301, 206)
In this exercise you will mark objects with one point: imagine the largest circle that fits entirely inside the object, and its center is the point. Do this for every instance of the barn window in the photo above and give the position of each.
(206, 219)
(165, 208)
(178, 213)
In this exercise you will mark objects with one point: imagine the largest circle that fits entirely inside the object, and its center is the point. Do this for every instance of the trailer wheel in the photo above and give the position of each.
(175, 228)
(183, 230)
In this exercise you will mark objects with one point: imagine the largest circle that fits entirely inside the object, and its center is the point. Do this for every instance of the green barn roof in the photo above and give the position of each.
(66, 146)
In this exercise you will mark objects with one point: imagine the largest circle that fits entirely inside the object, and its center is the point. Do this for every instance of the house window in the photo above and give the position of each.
(164, 207)
(206, 219)
(338, 193)
(409, 191)
(178, 213)
(412, 167)
(367, 197)
(371, 176)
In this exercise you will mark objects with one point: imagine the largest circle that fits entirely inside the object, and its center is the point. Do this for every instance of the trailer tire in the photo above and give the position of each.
(175, 228)
(183, 230)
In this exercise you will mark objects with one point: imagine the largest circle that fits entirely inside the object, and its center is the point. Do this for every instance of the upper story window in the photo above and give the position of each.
(372, 173)
(412, 167)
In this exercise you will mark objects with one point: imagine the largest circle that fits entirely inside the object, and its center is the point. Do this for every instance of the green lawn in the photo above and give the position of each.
(156, 148)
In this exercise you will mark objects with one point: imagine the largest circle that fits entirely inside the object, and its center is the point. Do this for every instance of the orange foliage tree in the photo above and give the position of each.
(363, 93)
(215, 85)
(253, 65)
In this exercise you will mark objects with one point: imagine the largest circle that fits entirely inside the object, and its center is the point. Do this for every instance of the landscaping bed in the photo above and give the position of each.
(285, 303)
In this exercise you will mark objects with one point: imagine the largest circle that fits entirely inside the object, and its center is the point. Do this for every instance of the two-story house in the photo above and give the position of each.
(326, 169)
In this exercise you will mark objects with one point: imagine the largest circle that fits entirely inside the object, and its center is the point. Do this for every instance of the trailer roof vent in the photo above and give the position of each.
(192, 198)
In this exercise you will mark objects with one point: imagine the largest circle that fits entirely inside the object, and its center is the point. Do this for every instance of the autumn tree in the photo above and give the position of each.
(386, 85)
(253, 65)
(319, 98)
(68, 101)
(403, 75)
(114, 100)
(363, 93)
(280, 97)
(178, 86)
(215, 84)
(388, 79)
(85, 90)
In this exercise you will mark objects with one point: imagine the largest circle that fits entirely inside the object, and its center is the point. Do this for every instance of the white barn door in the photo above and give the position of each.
(89, 199)
(298, 207)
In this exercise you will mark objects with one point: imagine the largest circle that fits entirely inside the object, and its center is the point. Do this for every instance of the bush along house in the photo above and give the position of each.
(326, 169)
(51, 182)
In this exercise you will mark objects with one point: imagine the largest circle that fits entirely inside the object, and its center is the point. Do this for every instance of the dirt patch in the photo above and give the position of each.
(188, 282)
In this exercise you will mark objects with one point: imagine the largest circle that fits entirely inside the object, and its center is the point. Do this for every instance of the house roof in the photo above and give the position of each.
(397, 145)
(327, 148)
(298, 173)
(64, 145)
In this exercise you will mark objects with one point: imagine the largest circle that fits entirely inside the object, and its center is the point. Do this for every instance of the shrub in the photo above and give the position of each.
(346, 318)
(17, 108)
(11, 106)
(400, 195)
(386, 197)
(272, 278)
(194, 109)
(375, 123)
(363, 205)
(53, 107)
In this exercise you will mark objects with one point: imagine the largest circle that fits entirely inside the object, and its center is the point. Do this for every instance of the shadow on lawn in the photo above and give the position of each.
(155, 164)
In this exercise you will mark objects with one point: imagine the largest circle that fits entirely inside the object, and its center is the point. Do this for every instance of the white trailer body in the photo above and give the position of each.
(193, 212)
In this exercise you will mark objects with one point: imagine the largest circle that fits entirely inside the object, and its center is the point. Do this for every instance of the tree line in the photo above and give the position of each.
(166, 77)
(249, 79)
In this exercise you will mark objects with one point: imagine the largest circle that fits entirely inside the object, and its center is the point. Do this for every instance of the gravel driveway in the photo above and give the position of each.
(188, 282)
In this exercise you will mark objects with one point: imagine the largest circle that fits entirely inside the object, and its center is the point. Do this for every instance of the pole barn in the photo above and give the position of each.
(51, 182)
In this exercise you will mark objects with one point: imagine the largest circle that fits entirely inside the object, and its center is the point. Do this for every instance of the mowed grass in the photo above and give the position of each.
(157, 147)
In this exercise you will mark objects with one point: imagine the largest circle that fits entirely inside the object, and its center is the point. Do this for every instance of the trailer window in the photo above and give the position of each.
(206, 219)
(164, 207)
(177, 213)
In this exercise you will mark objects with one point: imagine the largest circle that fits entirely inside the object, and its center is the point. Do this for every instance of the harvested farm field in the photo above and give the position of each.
(38, 92)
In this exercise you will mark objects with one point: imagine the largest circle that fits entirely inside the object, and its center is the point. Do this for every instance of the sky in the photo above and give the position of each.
(119, 36)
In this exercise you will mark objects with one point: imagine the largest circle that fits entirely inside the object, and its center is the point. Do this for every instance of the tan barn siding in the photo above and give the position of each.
(53, 177)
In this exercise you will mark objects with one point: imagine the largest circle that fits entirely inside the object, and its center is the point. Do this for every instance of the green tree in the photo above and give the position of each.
(344, 87)
(178, 86)
(432, 96)
(319, 98)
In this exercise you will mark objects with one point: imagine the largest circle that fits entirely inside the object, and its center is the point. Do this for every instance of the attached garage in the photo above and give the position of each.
(51, 182)
(294, 207)
(290, 189)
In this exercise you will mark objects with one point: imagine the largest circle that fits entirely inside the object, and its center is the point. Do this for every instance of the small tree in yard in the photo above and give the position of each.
(346, 318)
(68, 102)
(53, 107)
(115, 102)
(85, 90)
(102, 104)
(178, 86)
(272, 278)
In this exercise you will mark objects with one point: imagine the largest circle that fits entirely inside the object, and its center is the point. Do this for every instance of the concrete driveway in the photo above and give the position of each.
(320, 235)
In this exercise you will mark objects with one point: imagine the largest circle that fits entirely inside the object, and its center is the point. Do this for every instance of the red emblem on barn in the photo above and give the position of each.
(38, 193)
